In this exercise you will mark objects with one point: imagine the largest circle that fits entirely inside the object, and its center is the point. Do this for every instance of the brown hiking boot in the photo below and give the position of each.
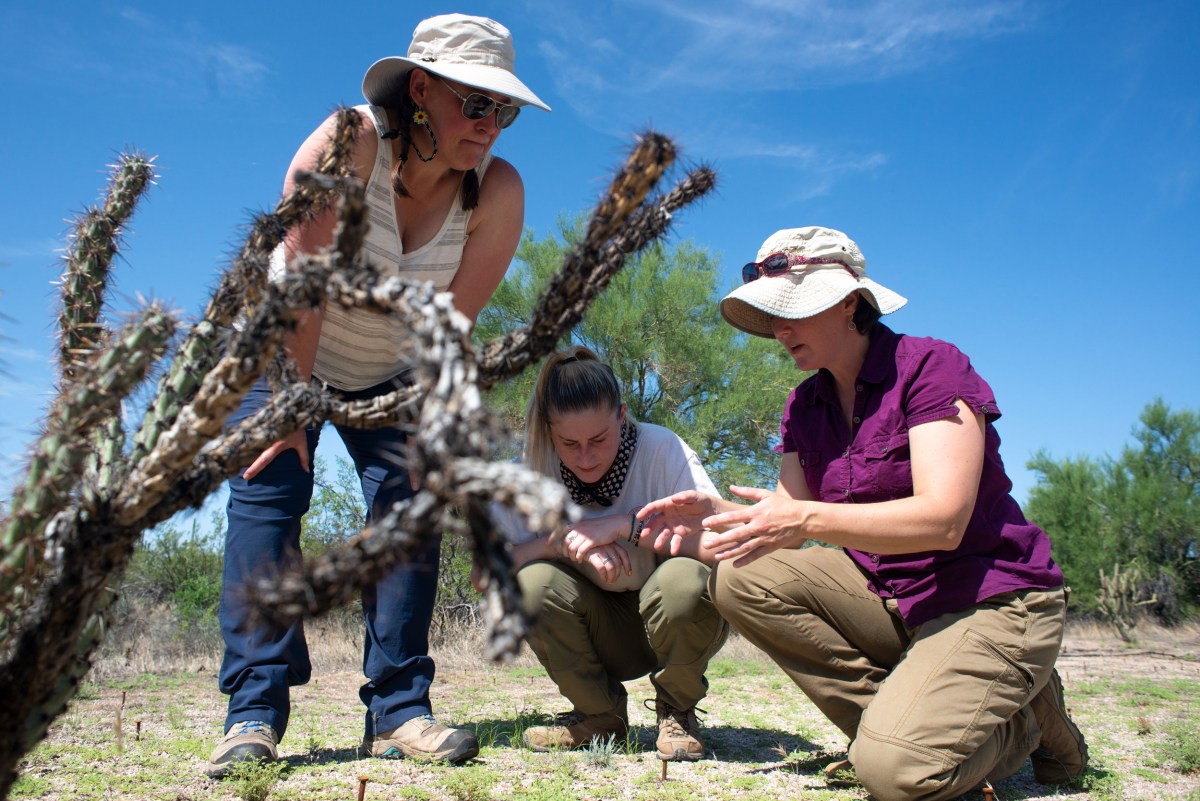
(678, 733)
(574, 729)
(246, 741)
(423, 738)
(1063, 753)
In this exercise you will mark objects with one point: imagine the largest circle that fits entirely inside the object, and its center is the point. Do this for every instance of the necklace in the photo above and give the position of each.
(606, 490)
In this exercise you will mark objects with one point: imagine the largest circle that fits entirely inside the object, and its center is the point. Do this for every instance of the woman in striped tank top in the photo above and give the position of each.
(442, 209)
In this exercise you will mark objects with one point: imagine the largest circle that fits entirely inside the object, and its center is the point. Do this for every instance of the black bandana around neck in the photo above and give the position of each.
(606, 490)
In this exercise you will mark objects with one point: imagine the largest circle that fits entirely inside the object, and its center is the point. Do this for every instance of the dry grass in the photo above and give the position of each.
(767, 741)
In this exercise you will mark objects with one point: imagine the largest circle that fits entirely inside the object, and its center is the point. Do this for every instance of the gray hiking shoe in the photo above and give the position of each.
(423, 738)
(246, 741)
(1063, 753)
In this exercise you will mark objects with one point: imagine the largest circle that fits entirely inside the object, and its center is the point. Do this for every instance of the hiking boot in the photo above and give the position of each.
(423, 738)
(246, 741)
(1063, 754)
(574, 729)
(678, 733)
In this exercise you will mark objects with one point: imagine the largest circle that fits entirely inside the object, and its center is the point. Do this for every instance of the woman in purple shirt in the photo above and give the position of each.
(929, 633)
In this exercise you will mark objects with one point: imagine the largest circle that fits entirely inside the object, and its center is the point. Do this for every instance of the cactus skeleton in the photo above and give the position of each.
(87, 496)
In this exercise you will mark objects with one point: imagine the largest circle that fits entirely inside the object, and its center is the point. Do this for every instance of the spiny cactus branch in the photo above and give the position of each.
(59, 455)
(584, 275)
(243, 284)
(94, 242)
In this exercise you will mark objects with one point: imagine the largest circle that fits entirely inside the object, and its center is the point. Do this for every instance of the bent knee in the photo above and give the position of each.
(891, 770)
(547, 586)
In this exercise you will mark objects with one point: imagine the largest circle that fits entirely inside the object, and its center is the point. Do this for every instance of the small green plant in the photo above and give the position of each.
(1180, 748)
(600, 751)
(470, 785)
(254, 780)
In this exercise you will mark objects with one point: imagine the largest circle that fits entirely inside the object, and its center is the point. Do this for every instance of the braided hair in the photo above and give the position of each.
(402, 111)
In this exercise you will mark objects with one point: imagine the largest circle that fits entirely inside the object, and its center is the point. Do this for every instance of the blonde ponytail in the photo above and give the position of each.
(570, 380)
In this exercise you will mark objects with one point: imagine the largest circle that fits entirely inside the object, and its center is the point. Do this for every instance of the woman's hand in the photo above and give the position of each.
(609, 561)
(297, 441)
(669, 520)
(751, 532)
(586, 535)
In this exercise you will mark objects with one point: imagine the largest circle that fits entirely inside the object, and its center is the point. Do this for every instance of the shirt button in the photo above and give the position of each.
(875, 558)
(846, 455)
(857, 420)
(858, 388)
(846, 493)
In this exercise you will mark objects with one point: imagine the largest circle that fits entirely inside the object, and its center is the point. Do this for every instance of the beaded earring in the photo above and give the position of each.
(421, 117)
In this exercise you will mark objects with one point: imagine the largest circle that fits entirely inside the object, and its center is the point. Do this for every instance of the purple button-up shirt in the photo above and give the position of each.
(904, 382)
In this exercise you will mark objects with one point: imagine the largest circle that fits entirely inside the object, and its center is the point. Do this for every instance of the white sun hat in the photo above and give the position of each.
(822, 267)
(475, 51)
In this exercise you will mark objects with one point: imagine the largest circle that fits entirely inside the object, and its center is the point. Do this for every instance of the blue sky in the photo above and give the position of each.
(1026, 173)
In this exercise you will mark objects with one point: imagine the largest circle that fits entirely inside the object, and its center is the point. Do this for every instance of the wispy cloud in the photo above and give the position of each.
(189, 60)
(694, 61)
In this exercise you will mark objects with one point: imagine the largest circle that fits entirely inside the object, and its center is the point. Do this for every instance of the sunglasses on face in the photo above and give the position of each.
(780, 263)
(476, 106)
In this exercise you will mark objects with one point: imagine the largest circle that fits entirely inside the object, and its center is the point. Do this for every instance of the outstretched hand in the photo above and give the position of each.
(751, 532)
(670, 520)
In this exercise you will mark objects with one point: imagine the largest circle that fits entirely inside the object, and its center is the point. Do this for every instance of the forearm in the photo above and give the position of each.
(536, 549)
(302, 342)
(905, 525)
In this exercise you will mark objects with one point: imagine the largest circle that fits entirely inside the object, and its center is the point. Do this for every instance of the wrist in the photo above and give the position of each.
(635, 529)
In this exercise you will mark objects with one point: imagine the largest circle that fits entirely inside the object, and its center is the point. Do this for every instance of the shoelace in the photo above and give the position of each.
(682, 720)
(250, 726)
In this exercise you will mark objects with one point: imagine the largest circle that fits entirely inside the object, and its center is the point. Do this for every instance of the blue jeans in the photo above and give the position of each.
(263, 660)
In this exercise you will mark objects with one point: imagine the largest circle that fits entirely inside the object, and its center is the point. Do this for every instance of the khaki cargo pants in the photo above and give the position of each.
(930, 712)
(590, 640)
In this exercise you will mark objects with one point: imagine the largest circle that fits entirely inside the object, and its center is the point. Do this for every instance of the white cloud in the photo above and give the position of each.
(704, 65)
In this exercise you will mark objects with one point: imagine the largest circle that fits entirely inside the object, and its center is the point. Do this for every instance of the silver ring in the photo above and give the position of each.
(570, 536)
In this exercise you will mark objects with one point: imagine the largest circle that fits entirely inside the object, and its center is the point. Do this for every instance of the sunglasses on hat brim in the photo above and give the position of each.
(476, 106)
(779, 263)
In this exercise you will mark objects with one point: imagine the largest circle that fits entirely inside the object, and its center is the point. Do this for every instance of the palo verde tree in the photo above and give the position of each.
(1143, 506)
(680, 365)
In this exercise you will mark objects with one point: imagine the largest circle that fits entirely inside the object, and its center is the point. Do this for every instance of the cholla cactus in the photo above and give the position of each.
(1118, 599)
(88, 495)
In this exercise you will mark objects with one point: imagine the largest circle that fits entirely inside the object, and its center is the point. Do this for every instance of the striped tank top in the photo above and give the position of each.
(360, 348)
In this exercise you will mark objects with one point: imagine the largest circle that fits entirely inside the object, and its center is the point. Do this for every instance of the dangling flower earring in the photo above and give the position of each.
(421, 117)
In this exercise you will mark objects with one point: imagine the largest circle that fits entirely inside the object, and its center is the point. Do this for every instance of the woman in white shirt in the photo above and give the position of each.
(606, 607)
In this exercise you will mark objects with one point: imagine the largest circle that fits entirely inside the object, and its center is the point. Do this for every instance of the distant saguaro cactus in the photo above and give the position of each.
(88, 494)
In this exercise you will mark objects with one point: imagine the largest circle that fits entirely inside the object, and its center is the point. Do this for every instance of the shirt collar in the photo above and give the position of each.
(875, 367)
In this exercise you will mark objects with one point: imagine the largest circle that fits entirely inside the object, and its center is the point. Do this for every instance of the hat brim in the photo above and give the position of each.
(795, 296)
(384, 82)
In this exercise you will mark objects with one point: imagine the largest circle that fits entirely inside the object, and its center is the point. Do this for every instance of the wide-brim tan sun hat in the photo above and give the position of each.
(475, 51)
(826, 266)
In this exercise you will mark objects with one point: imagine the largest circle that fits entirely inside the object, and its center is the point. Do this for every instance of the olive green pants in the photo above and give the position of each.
(590, 640)
(930, 711)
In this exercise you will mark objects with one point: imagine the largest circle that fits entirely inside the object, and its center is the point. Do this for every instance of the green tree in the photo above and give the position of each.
(1070, 502)
(1143, 506)
(679, 364)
